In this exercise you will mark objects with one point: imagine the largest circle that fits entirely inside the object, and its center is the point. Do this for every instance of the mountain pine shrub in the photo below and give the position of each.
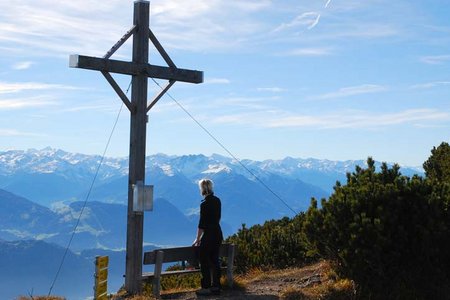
(387, 232)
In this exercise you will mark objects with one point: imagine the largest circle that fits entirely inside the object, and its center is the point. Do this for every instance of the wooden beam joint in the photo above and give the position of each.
(131, 68)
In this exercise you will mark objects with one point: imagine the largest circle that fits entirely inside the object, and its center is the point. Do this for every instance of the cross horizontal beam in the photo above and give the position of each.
(131, 68)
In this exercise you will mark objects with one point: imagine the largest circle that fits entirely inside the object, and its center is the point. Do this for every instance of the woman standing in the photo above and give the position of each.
(209, 238)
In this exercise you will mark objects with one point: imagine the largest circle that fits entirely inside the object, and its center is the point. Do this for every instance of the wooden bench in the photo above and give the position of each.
(182, 254)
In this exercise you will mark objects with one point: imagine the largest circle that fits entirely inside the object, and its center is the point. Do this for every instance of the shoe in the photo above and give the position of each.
(215, 291)
(203, 292)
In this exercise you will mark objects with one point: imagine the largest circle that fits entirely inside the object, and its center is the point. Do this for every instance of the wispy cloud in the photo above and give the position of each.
(29, 102)
(307, 19)
(250, 103)
(430, 85)
(209, 25)
(67, 27)
(217, 81)
(308, 52)
(23, 65)
(353, 29)
(16, 133)
(435, 59)
(94, 107)
(354, 90)
(15, 87)
(360, 119)
(203, 25)
(271, 89)
(60, 28)
(239, 118)
(316, 21)
(275, 118)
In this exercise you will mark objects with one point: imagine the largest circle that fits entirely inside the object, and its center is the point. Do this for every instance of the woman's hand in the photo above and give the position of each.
(197, 240)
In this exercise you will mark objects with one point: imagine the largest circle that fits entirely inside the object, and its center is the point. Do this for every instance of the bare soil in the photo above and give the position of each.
(266, 285)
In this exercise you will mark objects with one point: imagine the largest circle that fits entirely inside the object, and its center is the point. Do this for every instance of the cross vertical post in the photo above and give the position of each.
(140, 70)
(135, 220)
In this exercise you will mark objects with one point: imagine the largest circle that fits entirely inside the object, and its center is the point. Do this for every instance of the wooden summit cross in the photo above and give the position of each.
(140, 70)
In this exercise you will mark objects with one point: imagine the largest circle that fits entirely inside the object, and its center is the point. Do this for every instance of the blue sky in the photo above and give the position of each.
(307, 78)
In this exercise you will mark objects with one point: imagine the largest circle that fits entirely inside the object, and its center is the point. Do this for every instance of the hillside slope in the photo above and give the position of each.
(316, 281)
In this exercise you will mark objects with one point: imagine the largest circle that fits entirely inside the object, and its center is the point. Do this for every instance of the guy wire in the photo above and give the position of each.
(226, 149)
(87, 198)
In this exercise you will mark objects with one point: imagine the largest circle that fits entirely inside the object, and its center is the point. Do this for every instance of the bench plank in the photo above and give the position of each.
(159, 256)
(179, 254)
(149, 275)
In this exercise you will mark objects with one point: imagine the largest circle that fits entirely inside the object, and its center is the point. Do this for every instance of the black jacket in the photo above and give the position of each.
(210, 213)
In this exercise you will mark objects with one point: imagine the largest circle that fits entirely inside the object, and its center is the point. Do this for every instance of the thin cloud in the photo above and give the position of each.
(217, 81)
(67, 27)
(363, 30)
(274, 118)
(307, 19)
(105, 107)
(16, 87)
(58, 28)
(359, 120)
(271, 89)
(242, 118)
(316, 21)
(22, 65)
(16, 133)
(61, 28)
(354, 90)
(30, 102)
(309, 52)
(430, 85)
(251, 103)
(435, 59)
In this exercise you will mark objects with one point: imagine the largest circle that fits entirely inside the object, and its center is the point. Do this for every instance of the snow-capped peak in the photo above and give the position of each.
(167, 169)
(217, 168)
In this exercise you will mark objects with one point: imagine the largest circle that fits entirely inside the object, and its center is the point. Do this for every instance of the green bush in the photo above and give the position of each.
(389, 233)
(276, 244)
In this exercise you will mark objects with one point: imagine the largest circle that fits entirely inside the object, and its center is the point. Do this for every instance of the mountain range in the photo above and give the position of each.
(52, 185)
(42, 193)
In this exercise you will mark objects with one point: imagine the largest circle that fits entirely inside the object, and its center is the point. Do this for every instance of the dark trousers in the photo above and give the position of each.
(209, 263)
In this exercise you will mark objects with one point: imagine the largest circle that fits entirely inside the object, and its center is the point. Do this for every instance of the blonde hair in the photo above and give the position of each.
(205, 186)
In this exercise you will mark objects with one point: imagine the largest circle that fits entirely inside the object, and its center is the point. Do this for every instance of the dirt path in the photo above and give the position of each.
(268, 285)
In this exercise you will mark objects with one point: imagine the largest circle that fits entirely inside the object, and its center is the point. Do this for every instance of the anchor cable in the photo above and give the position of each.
(87, 197)
(226, 149)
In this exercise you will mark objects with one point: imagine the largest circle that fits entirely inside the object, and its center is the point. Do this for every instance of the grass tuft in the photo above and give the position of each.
(41, 298)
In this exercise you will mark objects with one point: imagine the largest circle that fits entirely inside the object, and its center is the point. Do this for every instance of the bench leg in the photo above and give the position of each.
(230, 263)
(157, 276)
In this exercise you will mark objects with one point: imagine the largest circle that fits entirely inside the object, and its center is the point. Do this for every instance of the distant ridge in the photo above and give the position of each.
(50, 160)
(41, 193)
(55, 180)
(28, 266)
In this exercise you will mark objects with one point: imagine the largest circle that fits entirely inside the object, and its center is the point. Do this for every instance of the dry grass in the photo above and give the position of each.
(313, 282)
(41, 298)
(141, 298)
(343, 289)
(330, 287)
(253, 275)
(122, 294)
